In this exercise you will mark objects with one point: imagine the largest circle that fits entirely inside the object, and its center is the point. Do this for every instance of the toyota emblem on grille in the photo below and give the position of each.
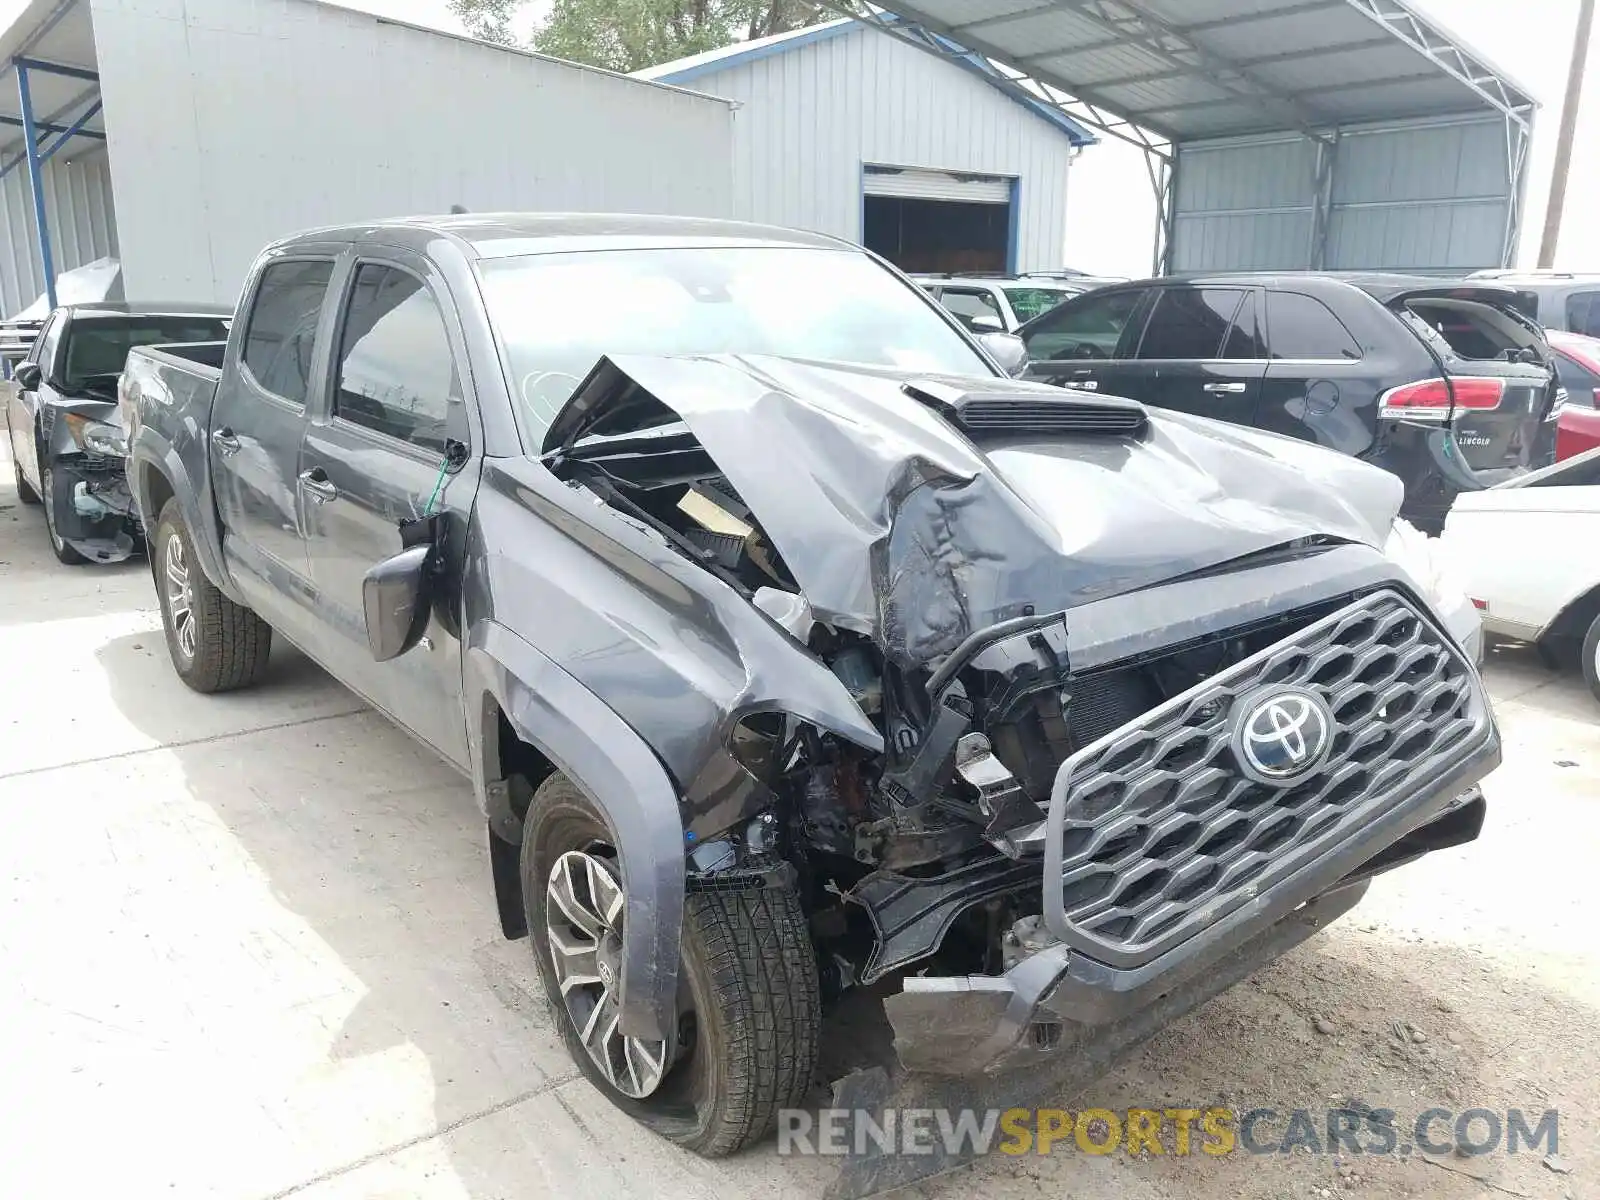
(1282, 735)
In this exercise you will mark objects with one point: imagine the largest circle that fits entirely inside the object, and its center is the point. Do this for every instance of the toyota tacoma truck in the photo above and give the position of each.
(67, 440)
(793, 648)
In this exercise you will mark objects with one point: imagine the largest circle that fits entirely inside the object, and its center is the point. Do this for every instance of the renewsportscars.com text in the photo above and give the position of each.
(1179, 1132)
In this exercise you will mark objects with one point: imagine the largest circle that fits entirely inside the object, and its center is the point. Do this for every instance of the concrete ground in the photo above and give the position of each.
(248, 949)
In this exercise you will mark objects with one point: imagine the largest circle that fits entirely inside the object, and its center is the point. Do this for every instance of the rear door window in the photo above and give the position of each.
(968, 304)
(282, 327)
(1090, 327)
(1583, 313)
(1190, 323)
(1302, 327)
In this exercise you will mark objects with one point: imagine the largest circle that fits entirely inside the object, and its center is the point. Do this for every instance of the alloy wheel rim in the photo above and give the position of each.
(180, 597)
(49, 498)
(584, 911)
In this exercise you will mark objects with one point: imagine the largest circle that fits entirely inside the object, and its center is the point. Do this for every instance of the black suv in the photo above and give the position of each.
(1447, 385)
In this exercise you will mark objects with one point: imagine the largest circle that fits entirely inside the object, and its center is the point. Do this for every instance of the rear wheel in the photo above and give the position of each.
(215, 644)
(745, 1044)
(63, 551)
(1591, 658)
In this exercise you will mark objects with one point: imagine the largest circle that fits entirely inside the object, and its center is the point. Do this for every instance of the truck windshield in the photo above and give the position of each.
(556, 315)
(97, 347)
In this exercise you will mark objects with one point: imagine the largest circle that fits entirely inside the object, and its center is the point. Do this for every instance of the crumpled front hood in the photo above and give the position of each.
(897, 525)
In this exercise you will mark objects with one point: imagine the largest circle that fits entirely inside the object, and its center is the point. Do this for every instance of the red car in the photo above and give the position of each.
(1578, 364)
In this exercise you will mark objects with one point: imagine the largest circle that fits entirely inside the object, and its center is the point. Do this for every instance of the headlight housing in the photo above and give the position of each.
(1420, 558)
(98, 437)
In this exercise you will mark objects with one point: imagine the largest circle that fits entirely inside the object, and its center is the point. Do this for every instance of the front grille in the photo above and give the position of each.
(1162, 834)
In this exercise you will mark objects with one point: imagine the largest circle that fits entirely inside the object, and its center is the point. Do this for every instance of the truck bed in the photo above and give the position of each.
(165, 399)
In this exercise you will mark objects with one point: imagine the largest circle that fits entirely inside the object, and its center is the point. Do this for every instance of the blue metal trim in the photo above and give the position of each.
(35, 178)
(50, 68)
(861, 208)
(742, 57)
(76, 129)
(1013, 227)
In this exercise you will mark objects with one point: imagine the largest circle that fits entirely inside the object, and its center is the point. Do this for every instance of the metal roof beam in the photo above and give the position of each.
(1163, 39)
(53, 68)
(1266, 14)
(1356, 85)
(1409, 28)
(52, 127)
(1081, 104)
(1265, 60)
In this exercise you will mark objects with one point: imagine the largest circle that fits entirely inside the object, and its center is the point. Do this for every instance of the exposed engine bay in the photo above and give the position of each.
(924, 847)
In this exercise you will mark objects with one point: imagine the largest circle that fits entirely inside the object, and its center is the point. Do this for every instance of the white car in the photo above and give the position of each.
(1528, 554)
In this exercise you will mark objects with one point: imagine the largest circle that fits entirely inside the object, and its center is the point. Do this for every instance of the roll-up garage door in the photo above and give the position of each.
(936, 185)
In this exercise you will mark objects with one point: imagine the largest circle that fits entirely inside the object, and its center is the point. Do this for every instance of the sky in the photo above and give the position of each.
(1110, 209)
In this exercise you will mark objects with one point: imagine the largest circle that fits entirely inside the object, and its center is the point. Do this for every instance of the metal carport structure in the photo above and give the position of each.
(49, 104)
(1263, 122)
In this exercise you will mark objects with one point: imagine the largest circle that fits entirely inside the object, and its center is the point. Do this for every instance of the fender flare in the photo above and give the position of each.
(594, 748)
(151, 451)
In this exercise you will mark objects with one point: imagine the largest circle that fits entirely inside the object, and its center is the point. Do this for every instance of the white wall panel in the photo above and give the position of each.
(810, 117)
(78, 208)
(1419, 196)
(234, 122)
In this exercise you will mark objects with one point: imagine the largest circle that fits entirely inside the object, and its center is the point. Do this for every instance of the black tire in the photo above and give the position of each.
(1591, 658)
(25, 491)
(64, 553)
(230, 644)
(749, 1002)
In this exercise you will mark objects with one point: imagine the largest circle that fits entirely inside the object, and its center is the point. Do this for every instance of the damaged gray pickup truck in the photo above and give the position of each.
(792, 648)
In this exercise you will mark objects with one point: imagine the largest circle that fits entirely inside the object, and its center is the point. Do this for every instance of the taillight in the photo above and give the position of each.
(1430, 399)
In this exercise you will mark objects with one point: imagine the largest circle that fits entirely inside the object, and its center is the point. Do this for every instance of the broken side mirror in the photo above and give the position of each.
(29, 377)
(1007, 349)
(396, 600)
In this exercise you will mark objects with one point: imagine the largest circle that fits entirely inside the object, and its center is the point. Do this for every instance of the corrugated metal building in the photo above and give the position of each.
(192, 132)
(1280, 134)
(847, 131)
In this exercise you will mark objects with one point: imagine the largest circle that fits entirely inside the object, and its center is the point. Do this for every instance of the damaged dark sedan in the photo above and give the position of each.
(68, 446)
(793, 649)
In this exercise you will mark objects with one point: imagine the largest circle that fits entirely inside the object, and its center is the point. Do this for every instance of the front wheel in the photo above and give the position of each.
(1591, 658)
(63, 550)
(749, 1007)
(215, 644)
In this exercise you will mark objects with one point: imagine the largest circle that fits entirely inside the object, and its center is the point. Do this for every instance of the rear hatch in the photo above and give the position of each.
(1497, 384)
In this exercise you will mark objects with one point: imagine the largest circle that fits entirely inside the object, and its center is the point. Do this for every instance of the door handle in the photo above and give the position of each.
(1225, 389)
(318, 485)
(225, 441)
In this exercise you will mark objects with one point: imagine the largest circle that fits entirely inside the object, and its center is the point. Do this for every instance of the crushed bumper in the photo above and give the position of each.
(1056, 1000)
(93, 509)
(1162, 858)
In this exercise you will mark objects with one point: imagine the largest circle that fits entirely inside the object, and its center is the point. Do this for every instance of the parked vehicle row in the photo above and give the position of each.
(1448, 386)
(68, 445)
(792, 647)
(1002, 303)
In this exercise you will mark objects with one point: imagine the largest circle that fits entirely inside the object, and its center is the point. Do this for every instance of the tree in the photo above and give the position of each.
(629, 35)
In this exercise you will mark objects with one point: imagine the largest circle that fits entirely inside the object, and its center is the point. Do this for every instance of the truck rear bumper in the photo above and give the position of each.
(1057, 998)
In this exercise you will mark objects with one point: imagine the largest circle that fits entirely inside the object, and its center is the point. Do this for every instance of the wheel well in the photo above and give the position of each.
(155, 490)
(523, 767)
(1575, 619)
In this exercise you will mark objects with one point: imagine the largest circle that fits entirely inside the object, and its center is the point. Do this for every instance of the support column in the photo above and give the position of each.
(30, 138)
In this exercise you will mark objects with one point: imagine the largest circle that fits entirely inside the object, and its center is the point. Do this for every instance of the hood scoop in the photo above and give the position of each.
(1023, 411)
